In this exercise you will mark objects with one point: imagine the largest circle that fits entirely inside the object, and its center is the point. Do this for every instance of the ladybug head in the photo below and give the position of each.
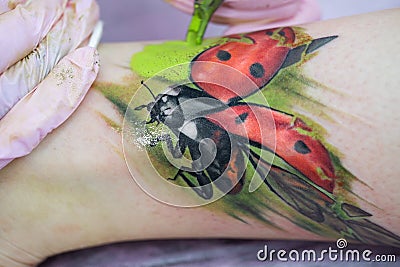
(165, 108)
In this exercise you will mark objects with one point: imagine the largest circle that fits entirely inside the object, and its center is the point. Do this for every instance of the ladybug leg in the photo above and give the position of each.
(254, 160)
(176, 176)
(175, 150)
(204, 189)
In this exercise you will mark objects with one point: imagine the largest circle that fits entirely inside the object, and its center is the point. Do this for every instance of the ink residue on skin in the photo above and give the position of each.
(119, 95)
(114, 125)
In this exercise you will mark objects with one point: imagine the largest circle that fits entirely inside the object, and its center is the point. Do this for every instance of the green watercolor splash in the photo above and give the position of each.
(119, 95)
(157, 57)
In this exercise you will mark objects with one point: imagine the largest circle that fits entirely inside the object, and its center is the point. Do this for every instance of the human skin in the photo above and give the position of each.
(74, 190)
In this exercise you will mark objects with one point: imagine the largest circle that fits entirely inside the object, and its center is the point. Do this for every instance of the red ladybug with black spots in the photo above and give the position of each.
(220, 129)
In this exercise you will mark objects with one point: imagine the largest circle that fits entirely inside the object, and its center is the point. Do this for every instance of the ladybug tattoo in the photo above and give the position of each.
(301, 151)
(221, 131)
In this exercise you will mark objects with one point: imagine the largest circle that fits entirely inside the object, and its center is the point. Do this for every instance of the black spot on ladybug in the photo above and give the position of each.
(257, 70)
(301, 147)
(282, 33)
(241, 118)
(269, 33)
(223, 55)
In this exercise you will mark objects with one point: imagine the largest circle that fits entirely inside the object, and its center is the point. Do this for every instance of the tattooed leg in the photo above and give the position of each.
(75, 189)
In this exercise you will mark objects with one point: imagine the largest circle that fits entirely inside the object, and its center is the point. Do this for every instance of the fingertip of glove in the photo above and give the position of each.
(85, 57)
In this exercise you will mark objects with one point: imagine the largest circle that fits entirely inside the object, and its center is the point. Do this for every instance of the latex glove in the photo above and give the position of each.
(48, 103)
(252, 15)
(7, 5)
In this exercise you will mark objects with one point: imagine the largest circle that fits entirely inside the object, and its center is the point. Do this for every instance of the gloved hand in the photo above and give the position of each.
(43, 74)
(253, 15)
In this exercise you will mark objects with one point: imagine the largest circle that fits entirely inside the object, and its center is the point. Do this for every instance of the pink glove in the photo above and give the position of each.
(252, 15)
(75, 25)
(30, 23)
(7, 5)
(46, 101)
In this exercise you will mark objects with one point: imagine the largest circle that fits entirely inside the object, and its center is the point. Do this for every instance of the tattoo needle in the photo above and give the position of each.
(96, 35)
